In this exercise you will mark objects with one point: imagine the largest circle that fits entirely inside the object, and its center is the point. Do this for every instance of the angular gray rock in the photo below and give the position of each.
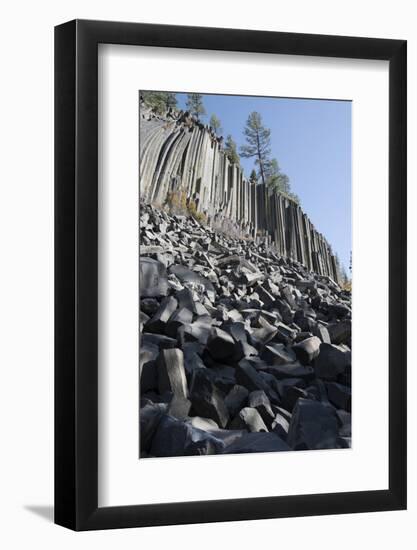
(259, 400)
(332, 361)
(227, 325)
(257, 443)
(177, 438)
(149, 418)
(313, 426)
(307, 350)
(207, 400)
(339, 395)
(171, 372)
(153, 279)
(248, 419)
(159, 320)
(236, 399)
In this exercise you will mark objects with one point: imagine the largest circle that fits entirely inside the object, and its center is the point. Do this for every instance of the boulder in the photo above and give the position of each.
(149, 418)
(313, 426)
(259, 400)
(340, 332)
(339, 396)
(222, 347)
(207, 400)
(153, 279)
(178, 438)
(159, 320)
(171, 372)
(180, 317)
(236, 399)
(307, 350)
(332, 361)
(257, 443)
(179, 407)
(248, 419)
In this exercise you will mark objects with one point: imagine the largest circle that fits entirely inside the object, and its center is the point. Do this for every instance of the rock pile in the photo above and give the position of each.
(241, 350)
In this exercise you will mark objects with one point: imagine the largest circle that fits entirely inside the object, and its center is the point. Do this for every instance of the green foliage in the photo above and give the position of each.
(160, 102)
(253, 176)
(215, 124)
(195, 105)
(258, 143)
(258, 146)
(230, 150)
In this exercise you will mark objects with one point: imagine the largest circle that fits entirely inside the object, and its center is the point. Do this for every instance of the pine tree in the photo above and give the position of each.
(195, 105)
(160, 102)
(253, 176)
(258, 144)
(230, 150)
(215, 124)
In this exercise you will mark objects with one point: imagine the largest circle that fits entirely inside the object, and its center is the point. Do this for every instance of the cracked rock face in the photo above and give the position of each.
(241, 349)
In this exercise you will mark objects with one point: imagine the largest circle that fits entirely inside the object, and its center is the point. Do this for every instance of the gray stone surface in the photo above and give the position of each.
(307, 350)
(228, 317)
(248, 419)
(153, 278)
(313, 425)
(257, 443)
(171, 372)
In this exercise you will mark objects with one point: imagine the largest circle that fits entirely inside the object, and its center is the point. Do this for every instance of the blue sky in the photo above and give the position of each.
(311, 140)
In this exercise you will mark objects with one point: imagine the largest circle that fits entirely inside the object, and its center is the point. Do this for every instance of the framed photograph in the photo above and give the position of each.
(230, 253)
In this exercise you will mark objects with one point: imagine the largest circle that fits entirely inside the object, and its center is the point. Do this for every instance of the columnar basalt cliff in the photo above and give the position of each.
(178, 154)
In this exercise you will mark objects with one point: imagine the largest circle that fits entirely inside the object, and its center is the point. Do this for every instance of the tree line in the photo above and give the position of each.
(257, 136)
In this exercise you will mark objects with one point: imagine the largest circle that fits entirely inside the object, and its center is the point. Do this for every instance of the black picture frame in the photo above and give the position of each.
(76, 271)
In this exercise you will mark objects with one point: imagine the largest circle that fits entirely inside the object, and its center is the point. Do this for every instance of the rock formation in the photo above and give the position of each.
(242, 349)
(178, 154)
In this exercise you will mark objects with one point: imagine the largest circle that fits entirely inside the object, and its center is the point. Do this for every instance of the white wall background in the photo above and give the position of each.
(26, 271)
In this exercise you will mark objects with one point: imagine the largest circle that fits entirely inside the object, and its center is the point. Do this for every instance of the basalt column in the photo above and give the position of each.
(180, 155)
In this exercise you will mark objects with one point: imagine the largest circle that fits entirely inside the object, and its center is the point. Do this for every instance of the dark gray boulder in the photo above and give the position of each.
(259, 400)
(248, 419)
(257, 443)
(153, 279)
(188, 276)
(207, 400)
(179, 407)
(159, 340)
(313, 426)
(307, 350)
(339, 395)
(149, 418)
(236, 399)
(248, 377)
(340, 332)
(277, 354)
(290, 395)
(280, 426)
(171, 372)
(179, 318)
(222, 346)
(322, 332)
(159, 320)
(332, 361)
(293, 370)
(177, 438)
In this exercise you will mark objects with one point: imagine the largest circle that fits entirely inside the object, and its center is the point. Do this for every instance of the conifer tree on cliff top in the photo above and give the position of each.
(230, 149)
(258, 144)
(195, 105)
(215, 124)
(160, 102)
